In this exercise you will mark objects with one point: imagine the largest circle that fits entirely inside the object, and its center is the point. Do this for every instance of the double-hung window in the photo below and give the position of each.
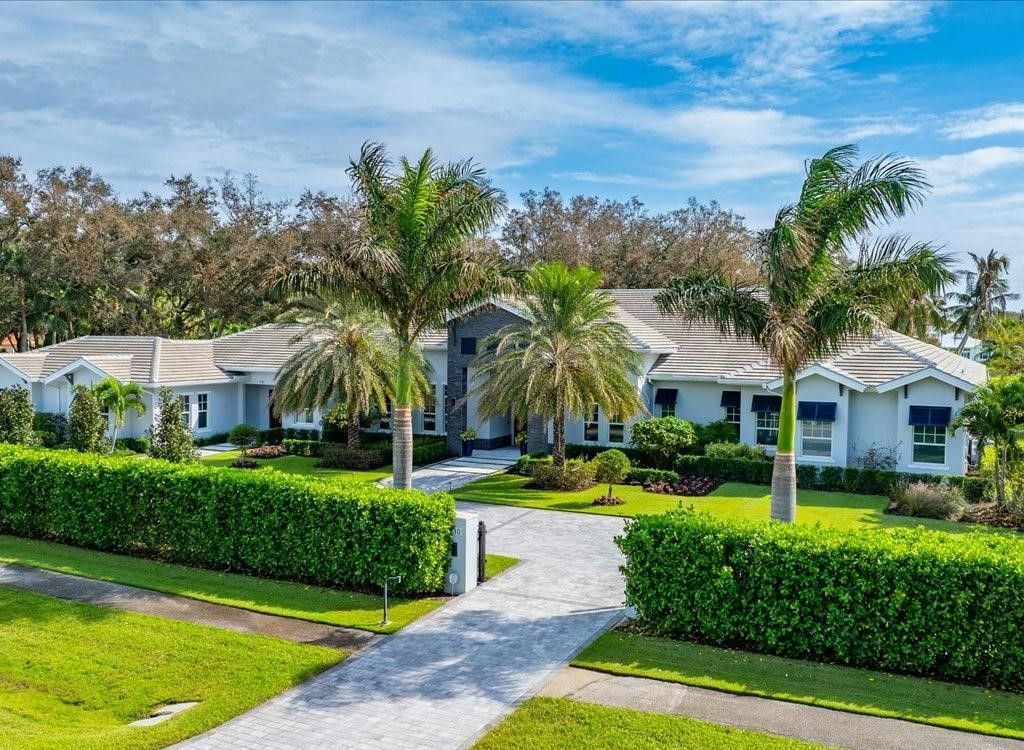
(816, 438)
(430, 410)
(616, 429)
(929, 444)
(590, 425)
(186, 410)
(767, 428)
(202, 411)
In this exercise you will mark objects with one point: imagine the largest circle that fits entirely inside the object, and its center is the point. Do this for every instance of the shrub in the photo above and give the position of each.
(340, 456)
(86, 426)
(133, 445)
(926, 500)
(576, 474)
(903, 600)
(686, 486)
(50, 428)
(588, 451)
(313, 448)
(244, 436)
(735, 450)
(16, 416)
(726, 469)
(277, 435)
(427, 449)
(526, 464)
(876, 456)
(267, 451)
(265, 523)
(335, 424)
(646, 476)
(171, 439)
(214, 439)
(610, 466)
(662, 439)
(715, 432)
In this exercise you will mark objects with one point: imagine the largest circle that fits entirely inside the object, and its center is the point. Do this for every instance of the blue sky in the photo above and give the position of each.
(658, 100)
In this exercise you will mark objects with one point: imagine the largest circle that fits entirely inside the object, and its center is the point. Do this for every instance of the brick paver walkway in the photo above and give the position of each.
(444, 680)
(445, 476)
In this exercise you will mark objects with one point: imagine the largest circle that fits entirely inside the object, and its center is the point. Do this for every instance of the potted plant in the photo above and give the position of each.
(468, 436)
(521, 440)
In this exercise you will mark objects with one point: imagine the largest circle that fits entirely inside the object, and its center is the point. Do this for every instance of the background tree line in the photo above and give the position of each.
(202, 258)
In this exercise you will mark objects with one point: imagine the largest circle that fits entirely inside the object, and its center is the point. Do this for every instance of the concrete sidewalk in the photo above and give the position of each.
(144, 601)
(796, 720)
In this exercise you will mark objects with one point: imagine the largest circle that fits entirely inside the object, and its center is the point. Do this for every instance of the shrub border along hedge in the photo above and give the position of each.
(264, 523)
(426, 449)
(902, 600)
(831, 478)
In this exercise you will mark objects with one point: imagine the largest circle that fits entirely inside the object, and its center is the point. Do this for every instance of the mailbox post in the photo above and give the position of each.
(462, 570)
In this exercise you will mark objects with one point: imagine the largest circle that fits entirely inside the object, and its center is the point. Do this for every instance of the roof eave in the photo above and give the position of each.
(922, 374)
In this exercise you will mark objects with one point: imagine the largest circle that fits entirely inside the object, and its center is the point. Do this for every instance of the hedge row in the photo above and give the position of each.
(903, 600)
(277, 435)
(263, 523)
(426, 449)
(832, 478)
(340, 456)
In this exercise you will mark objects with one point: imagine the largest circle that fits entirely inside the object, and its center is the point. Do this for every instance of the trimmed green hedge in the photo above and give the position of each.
(643, 476)
(426, 449)
(277, 435)
(312, 448)
(262, 522)
(903, 600)
(831, 478)
(340, 456)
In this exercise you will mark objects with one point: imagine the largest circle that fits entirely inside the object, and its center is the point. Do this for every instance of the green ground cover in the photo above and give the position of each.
(862, 691)
(562, 724)
(498, 564)
(75, 675)
(343, 608)
(733, 501)
(302, 465)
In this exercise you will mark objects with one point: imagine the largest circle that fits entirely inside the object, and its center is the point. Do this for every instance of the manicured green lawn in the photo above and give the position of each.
(562, 724)
(343, 608)
(498, 564)
(302, 465)
(74, 675)
(732, 501)
(863, 691)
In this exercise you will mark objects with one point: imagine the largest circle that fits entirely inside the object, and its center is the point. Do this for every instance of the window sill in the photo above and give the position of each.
(929, 467)
(816, 459)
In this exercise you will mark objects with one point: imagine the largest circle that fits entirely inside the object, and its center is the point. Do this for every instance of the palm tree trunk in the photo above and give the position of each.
(401, 421)
(963, 342)
(352, 425)
(784, 471)
(558, 436)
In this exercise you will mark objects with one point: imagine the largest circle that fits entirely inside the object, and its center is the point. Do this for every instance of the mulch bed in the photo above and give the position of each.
(687, 486)
(991, 515)
(609, 500)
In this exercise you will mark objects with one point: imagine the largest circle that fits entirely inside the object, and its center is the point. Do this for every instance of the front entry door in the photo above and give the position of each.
(273, 419)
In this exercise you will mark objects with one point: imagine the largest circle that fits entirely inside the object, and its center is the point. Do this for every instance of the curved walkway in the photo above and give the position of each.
(444, 680)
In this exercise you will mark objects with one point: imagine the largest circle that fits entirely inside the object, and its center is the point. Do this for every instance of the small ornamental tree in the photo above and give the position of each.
(244, 436)
(663, 439)
(611, 466)
(16, 415)
(86, 425)
(119, 398)
(172, 440)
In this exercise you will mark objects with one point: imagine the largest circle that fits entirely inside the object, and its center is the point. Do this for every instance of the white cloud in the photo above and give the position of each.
(956, 174)
(995, 119)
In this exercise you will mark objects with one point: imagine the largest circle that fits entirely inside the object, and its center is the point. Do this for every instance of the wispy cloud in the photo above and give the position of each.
(996, 119)
(961, 174)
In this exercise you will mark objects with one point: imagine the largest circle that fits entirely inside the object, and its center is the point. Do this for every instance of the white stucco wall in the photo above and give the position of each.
(872, 424)
(930, 392)
(817, 388)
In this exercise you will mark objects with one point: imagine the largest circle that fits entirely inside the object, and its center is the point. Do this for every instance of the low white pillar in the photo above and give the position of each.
(462, 570)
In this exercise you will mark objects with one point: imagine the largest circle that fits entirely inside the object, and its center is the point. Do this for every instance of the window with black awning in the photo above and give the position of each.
(930, 416)
(816, 411)
(730, 398)
(766, 404)
(666, 396)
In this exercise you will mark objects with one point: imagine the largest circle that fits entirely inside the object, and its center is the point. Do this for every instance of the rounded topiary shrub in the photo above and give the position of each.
(575, 475)
(662, 440)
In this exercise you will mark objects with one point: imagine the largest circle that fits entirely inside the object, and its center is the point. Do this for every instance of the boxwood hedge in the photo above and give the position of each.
(904, 600)
(262, 522)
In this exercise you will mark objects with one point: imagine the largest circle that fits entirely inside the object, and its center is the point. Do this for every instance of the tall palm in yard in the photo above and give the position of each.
(412, 261)
(812, 298)
(347, 357)
(120, 398)
(570, 355)
(986, 292)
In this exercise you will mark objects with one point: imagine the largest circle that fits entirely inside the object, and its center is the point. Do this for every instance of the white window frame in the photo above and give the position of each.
(815, 431)
(667, 410)
(767, 421)
(616, 424)
(186, 409)
(430, 411)
(733, 415)
(203, 397)
(922, 439)
(594, 423)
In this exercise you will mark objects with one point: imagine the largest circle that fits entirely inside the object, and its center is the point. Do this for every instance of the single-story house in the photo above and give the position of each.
(886, 391)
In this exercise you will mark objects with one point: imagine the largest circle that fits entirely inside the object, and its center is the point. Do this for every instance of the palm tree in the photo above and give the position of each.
(348, 357)
(119, 398)
(986, 292)
(570, 355)
(812, 298)
(412, 261)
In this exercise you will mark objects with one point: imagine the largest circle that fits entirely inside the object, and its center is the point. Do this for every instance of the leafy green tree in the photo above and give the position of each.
(995, 414)
(663, 439)
(413, 262)
(86, 426)
(1005, 338)
(16, 415)
(119, 399)
(812, 297)
(348, 357)
(570, 355)
(171, 439)
(244, 436)
(986, 292)
(611, 466)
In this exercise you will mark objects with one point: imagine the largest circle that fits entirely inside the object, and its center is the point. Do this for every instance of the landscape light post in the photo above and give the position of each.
(387, 580)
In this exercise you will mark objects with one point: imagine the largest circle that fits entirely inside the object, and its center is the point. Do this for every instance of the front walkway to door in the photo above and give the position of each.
(440, 683)
(456, 472)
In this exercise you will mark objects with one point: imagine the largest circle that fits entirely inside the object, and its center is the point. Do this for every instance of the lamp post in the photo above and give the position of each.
(387, 580)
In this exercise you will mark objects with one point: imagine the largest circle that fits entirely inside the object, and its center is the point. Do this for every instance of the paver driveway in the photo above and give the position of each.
(442, 681)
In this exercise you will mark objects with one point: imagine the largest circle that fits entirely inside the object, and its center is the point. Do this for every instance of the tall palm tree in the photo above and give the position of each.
(347, 357)
(812, 298)
(570, 355)
(986, 292)
(412, 261)
(120, 398)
